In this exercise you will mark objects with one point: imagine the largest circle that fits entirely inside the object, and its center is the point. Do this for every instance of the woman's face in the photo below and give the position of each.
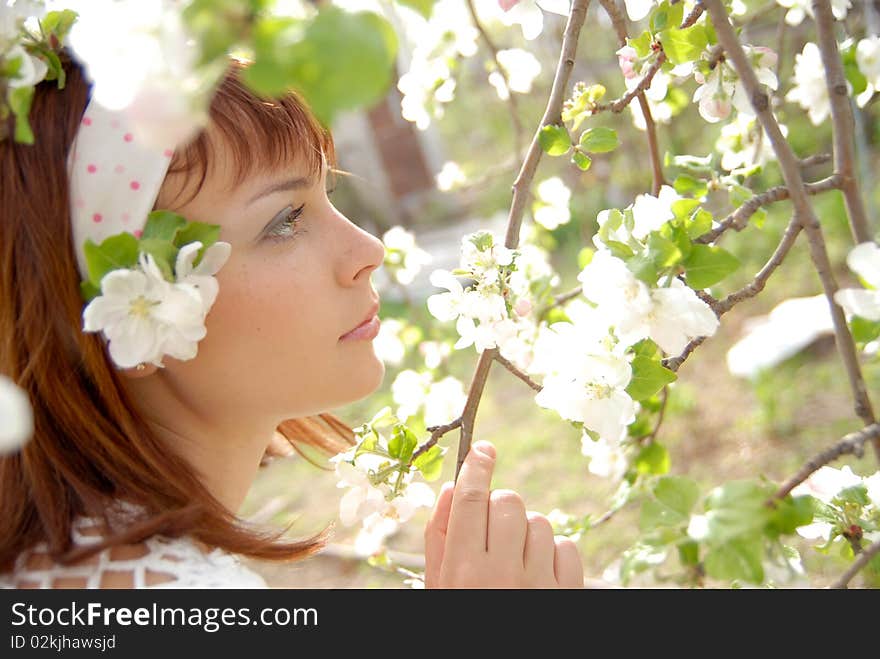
(297, 280)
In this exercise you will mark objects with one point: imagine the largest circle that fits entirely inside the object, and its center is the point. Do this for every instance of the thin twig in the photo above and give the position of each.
(817, 159)
(436, 433)
(518, 133)
(513, 368)
(620, 104)
(664, 400)
(863, 559)
(757, 284)
(843, 122)
(851, 444)
(552, 115)
(802, 208)
(739, 219)
(619, 22)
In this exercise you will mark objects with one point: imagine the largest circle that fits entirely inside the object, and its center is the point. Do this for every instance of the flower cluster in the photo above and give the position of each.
(379, 477)
(149, 308)
(847, 506)
(721, 90)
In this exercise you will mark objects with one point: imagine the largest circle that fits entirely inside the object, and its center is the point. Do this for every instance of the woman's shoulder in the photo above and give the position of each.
(157, 562)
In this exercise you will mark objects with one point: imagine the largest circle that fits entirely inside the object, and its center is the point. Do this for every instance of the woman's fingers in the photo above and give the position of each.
(540, 549)
(567, 564)
(468, 519)
(435, 534)
(506, 536)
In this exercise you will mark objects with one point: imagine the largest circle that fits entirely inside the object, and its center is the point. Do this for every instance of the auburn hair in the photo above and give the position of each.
(90, 447)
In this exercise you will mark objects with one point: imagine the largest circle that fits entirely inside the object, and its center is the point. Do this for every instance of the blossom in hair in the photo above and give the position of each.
(144, 316)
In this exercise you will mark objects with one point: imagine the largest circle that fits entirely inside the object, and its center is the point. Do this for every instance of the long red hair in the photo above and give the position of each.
(90, 447)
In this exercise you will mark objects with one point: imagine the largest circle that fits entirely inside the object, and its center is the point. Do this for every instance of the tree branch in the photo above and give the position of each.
(738, 219)
(552, 115)
(843, 122)
(436, 433)
(802, 208)
(851, 444)
(510, 366)
(863, 559)
(511, 100)
(619, 23)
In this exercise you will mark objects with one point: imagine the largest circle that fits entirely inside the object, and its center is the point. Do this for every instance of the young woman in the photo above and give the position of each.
(134, 475)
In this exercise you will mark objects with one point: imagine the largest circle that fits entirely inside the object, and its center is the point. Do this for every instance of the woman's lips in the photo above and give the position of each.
(366, 331)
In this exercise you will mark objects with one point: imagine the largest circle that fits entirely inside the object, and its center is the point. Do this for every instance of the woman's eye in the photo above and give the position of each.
(287, 226)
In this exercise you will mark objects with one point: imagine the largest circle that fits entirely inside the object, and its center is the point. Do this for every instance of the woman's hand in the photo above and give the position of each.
(481, 539)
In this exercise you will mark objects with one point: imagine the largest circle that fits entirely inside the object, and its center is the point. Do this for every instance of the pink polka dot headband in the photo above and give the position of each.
(148, 276)
(114, 178)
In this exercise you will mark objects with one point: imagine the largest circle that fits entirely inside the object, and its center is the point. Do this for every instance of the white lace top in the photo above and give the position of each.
(158, 562)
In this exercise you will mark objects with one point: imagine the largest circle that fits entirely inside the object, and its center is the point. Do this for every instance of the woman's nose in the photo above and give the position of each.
(364, 254)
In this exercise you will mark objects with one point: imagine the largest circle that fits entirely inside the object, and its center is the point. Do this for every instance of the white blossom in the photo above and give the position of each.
(145, 65)
(798, 9)
(403, 257)
(607, 458)
(387, 345)
(868, 59)
(551, 205)
(528, 14)
(409, 390)
(521, 68)
(16, 416)
(650, 212)
(434, 352)
(809, 84)
(743, 143)
(450, 176)
(825, 483)
(144, 317)
(202, 276)
(444, 401)
(638, 9)
(864, 260)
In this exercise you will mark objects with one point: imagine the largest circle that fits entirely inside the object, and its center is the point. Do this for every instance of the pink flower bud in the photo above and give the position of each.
(523, 307)
(507, 5)
(626, 57)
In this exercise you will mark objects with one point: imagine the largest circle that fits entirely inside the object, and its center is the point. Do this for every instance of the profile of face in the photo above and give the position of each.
(297, 280)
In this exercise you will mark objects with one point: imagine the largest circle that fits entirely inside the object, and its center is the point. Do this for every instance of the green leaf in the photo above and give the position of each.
(864, 330)
(582, 160)
(612, 223)
(115, 252)
(642, 43)
(663, 252)
(88, 291)
(649, 376)
(736, 560)
(682, 46)
(655, 514)
(599, 140)
(402, 443)
(618, 249)
(682, 208)
(698, 223)
(163, 225)
(737, 509)
(340, 60)
(424, 7)
(164, 253)
(207, 234)
(653, 459)
(677, 493)
(689, 552)
(789, 514)
(59, 23)
(642, 266)
(430, 463)
(554, 140)
(20, 99)
(688, 185)
(857, 494)
(585, 256)
(666, 15)
(707, 265)
(851, 69)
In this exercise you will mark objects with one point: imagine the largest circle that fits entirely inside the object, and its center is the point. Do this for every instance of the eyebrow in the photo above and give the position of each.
(290, 184)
